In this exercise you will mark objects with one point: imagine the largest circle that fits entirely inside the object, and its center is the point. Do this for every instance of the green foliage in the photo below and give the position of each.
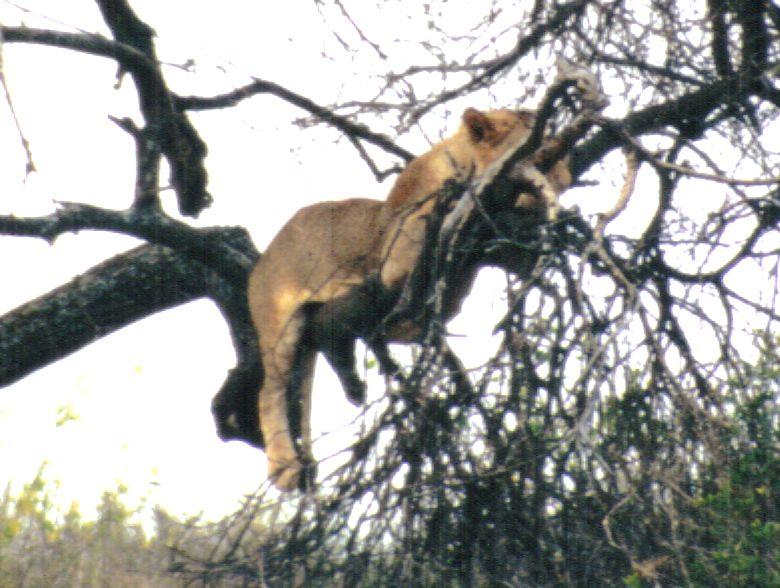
(737, 526)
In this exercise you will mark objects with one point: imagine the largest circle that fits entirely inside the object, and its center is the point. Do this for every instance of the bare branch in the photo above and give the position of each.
(259, 86)
(686, 112)
(493, 68)
(751, 15)
(147, 183)
(134, 52)
(129, 58)
(171, 129)
(204, 245)
(692, 173)
(597, 246)
(716, 11)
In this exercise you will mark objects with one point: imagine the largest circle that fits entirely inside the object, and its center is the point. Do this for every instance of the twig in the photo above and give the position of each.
(30, 167)
(494, 67)
(690, 172)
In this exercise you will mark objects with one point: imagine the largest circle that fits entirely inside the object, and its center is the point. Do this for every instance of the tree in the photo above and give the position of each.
(581, 452)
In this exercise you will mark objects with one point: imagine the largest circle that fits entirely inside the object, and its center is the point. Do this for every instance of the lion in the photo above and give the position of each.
(335, 269)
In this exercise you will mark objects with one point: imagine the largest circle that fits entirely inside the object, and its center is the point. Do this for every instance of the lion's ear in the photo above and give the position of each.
(478, 124)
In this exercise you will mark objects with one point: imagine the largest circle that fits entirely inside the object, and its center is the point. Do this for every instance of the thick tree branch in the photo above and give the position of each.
(110, 296)
(720, 48)
(751, 15)
(686, 113)
(132, 286)
(183, 148)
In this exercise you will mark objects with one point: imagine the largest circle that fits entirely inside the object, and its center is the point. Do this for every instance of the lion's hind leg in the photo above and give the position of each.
(278, 349)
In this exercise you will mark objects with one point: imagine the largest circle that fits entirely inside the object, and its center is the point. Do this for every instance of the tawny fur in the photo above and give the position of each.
(329, 248)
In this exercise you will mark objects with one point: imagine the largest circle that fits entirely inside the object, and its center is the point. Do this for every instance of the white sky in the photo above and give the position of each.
(142, 396)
